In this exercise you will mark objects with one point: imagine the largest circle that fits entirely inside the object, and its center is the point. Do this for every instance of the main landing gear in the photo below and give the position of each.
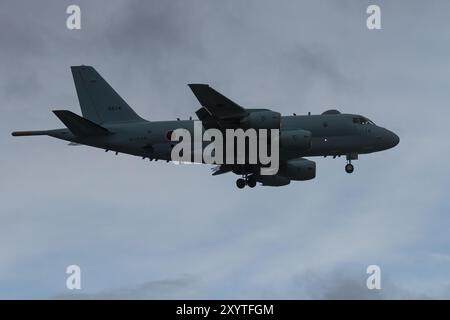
(246, 180)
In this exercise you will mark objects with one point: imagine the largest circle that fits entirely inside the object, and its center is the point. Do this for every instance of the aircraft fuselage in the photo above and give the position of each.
(332, 135)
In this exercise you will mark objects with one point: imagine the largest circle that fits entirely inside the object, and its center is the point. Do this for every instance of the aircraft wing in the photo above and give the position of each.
(217, 105)
(221, 169)
(217, 110)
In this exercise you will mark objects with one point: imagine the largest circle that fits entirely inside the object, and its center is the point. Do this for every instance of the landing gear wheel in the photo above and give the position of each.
(251, 182)
(240, 183)
(349, 168)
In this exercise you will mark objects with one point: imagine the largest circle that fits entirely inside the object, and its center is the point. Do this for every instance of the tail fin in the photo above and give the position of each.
(98, 100)
(80, 126)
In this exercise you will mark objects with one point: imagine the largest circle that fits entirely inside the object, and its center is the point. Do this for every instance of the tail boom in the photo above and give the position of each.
(31, 133)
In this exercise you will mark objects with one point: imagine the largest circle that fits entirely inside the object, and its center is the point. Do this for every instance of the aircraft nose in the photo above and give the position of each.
(386, 139)
(392, 139)
(395, 139)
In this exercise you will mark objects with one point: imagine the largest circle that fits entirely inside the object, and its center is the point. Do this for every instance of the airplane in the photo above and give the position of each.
(109, 123)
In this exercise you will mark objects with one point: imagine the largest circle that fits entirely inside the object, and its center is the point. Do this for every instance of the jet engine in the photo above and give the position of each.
(299, 169)
(274, 181)
(264, 119)
(295, 139)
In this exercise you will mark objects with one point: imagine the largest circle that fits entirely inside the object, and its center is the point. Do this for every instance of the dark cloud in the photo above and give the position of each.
(349, 284)
(340, 286)
(154, 29)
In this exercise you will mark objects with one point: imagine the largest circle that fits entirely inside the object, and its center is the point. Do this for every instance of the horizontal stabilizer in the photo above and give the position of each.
(80, 126)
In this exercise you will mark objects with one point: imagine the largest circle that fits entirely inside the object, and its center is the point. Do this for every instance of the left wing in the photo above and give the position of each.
(217, 110)
(221, 169)
(217, 105)
(222, 113)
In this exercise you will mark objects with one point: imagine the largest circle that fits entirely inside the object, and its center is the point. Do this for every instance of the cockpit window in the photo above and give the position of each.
(362, 120)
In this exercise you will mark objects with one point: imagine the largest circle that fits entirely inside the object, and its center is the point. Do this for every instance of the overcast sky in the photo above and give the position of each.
(155, 230)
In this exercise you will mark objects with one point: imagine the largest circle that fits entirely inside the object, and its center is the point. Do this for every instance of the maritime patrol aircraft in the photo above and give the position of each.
(109, 123)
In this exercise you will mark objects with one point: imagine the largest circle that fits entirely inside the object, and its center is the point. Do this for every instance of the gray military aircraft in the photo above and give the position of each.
(109, 123)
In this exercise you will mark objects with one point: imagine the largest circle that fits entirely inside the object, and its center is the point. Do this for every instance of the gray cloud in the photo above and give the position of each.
(341, 284)
(158, 289)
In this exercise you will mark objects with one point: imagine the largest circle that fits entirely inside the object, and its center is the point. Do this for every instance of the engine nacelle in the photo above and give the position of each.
(295, 139)
(299, 169)
(274, 181)
(264, 119)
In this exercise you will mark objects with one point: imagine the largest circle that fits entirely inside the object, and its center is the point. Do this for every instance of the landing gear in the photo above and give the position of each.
(240, 183)
(251, 182)
(246, 180)
(349, 168)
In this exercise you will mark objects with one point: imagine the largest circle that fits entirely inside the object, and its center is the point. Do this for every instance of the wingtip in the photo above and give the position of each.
(80, 67)
(58, 113)
(193, 85)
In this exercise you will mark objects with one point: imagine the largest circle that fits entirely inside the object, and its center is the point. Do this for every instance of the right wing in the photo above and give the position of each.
(221, 169)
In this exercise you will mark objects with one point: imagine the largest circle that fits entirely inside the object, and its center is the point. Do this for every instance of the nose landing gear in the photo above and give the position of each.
(246, 180)
(349, 167)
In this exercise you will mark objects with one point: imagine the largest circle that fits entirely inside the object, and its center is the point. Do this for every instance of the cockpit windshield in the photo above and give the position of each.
(362, 120)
